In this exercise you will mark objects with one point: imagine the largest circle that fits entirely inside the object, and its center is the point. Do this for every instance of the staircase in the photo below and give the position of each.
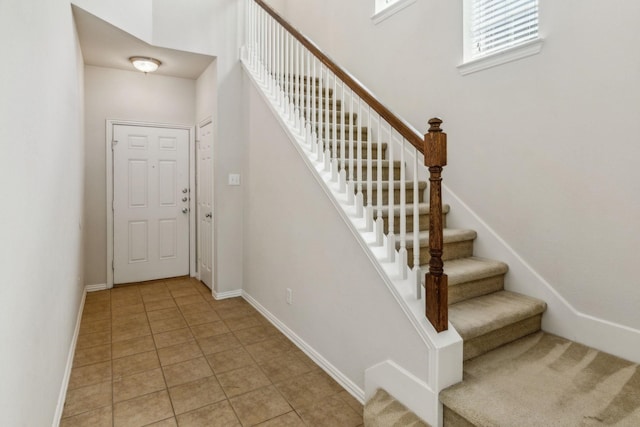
(485, 315)
(514, 374)
(498, 327)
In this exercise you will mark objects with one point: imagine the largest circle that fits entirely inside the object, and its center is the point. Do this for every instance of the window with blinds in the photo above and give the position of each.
(500, 24)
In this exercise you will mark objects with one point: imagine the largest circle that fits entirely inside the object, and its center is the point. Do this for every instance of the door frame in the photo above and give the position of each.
(201, 124)
(110, 123)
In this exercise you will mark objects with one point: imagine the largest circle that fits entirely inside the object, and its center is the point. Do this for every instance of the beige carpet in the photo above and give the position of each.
(544, 380)
(382, 410)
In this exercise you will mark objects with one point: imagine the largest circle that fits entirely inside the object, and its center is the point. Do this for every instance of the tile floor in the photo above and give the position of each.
(165, 353)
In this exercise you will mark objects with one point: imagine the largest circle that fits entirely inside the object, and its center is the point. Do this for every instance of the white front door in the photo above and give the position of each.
(150, 203)
(205, 203)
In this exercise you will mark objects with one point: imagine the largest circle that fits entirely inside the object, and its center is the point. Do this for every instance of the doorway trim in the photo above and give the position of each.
(207, 120)
(110, 123)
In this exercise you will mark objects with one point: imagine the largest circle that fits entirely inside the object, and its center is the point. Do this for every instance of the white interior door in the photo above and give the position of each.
(150, 203)
(205, 203)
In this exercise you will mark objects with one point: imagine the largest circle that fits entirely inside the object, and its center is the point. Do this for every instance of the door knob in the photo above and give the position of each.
(185, 210)
(184, 199)
(185, 190)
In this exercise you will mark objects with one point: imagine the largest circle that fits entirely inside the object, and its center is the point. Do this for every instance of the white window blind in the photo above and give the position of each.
(500, 24)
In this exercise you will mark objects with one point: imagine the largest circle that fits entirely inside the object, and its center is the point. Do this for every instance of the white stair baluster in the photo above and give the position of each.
(342, 175)
(369, 209)
(298, 87)
(402, 254)
(379, 219)
(307, 101)
(359, 194)
(263, 53)
(391, 237)
(254, 34)
(334, 132)
(351, 171)
(260, 45)
(270, 56)
(320, 117)
(417, 271)
(290, 78)
(326, 137)
(312, 91)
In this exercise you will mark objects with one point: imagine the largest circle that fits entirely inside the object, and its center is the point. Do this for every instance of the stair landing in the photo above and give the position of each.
(545, 380)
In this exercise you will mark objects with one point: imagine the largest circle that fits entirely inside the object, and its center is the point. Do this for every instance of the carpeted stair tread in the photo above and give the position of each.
(473, 268)
(471, 277)
(396, 185)
(545, 380)
(346, 117)
(423, 209)
(382, 410)
(479, 316)
(365, 144)
(450, 235)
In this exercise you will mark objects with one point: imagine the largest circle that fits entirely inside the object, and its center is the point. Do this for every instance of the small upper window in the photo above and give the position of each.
(496, 25)
(383, 4)
(386, 8)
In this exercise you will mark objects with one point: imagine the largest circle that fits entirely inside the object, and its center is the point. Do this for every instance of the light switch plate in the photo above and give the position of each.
(234, 179)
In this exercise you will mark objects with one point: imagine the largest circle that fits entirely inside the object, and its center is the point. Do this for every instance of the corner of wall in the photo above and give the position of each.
(67, 372)
(561, 318)
(405, 387)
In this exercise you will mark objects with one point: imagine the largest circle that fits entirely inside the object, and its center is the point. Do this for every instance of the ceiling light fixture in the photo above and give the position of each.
(144, 64)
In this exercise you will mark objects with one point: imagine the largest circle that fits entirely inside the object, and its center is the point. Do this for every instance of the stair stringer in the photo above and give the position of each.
(444, 350)
(561, 317)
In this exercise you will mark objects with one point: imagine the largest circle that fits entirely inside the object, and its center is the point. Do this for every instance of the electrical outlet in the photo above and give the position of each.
(289, 296)
(234, 179)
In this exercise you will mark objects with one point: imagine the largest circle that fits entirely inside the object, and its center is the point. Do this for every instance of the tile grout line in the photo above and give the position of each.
(262, 334)
(155, 346)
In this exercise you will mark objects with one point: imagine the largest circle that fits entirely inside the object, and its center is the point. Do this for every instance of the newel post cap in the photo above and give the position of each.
(435, 145)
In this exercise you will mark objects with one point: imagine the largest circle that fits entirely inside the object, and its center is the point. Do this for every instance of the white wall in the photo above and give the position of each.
(542, 149)
(122, 95)
(41, 171)
(138, 19)
(206, 93)
(295, 238)
(211, 27)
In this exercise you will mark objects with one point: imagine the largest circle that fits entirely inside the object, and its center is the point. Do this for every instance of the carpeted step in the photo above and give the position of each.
(423, 217)
(545, 380)
(353, 151)
(489, 321)
(458, 243)
(326, 131)
(348, 118)
(473, 277)
(383, 165)
(382, 410)
(292, 88)
(314, 107)
(422, 185)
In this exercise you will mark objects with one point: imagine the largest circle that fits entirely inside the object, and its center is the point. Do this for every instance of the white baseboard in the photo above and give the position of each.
(561, 317)
(228, 294)
(67, 371)
(334, 372)
(405, 388)
(96, 287)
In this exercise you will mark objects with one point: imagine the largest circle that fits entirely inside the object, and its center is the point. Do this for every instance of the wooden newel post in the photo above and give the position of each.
(435, 158)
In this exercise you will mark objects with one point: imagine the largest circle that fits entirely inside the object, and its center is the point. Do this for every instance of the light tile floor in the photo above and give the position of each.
(165, 353)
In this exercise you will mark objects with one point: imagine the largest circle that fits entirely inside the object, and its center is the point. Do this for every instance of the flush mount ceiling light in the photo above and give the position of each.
(144, 64)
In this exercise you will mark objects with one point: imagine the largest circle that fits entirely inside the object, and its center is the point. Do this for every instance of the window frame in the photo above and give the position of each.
(507, 54)
(384, 9)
